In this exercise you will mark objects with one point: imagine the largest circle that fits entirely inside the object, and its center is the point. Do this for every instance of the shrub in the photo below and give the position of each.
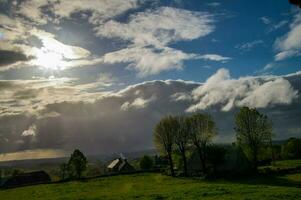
(146, 163)
(291, 149)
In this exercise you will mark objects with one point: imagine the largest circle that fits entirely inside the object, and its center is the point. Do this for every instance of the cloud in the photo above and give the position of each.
(8, 57)
(33, 154)
(265, 20)
(290, 44)
(149, 61)
(38, 10)
(214, 4)
(138, 103)
(31, 131)
(279, 25)
(249, 45)
(150, 31)
(158, 27)
(228, 93)
(149, 34)
(286, 54)
(16, 43)
(214, 57)
(97, 123)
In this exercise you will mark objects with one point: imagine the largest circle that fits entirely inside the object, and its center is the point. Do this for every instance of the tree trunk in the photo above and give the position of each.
(184, 163)
(171, 164)
(202, 159)
(255, 161)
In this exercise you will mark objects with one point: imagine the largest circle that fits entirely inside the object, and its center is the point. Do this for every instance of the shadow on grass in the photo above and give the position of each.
(263, 180)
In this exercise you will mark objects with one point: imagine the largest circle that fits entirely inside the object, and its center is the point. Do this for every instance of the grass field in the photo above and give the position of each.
(157, 186)
(288, 163)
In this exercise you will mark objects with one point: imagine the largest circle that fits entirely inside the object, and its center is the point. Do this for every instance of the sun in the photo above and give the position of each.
(48, 59)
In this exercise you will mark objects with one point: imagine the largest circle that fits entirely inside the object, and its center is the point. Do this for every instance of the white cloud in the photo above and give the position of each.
(277, 26)
(249, 45)
(286, 54)
(290, 44)
(149, 61)
(220, 89)
(138, 103)
(214, 57)
(159, 27)
(101, 10)
(31, 131)
(150, 32)
(265, 20)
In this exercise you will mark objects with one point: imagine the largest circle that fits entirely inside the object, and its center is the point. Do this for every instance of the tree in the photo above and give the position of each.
(17, 172)
(216, 156)
(201, 132)
(291, 149)
(164, 138)
(182, 139)
(146, 163)
(64, 171)
(253, 132)
(78, 162)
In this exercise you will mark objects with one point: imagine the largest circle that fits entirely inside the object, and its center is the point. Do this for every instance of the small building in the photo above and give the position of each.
(29, 178)
(120, 165)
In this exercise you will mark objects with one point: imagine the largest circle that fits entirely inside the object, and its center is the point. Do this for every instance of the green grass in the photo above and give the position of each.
(288, 163)
(157, 186)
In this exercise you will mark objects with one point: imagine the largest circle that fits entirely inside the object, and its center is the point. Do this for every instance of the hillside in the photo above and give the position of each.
(157, 186)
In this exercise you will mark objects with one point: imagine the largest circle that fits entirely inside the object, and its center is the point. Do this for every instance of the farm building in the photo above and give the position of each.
(120, 165)
(25, 179)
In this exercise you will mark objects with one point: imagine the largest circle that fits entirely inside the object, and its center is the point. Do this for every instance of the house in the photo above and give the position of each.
(120, 165)
(25, 179)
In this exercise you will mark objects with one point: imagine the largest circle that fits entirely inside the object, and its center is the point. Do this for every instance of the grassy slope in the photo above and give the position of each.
(156, 186)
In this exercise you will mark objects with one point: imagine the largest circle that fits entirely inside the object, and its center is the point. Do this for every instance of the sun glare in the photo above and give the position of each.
(49, 60)
(53, 54)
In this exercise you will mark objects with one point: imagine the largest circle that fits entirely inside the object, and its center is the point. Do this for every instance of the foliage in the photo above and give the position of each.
(182, 139)
(16, 172)
(146, 163)
(77, 163)
(164, 136)
(253, 132)
(201, 130)
(64, 170)
(94, 169)
(291, 149)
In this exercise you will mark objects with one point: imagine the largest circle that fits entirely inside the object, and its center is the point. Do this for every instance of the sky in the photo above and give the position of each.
(99, 74)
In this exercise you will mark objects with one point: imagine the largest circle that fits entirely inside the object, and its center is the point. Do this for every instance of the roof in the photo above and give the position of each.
(25, 179)
(114, 163)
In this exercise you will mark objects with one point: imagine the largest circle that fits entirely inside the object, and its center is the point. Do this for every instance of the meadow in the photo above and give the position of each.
(157, 186)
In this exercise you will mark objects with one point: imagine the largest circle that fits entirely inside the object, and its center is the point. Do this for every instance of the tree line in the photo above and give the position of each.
(195, 132)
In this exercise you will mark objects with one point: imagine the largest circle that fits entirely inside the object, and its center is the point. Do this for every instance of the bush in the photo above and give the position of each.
(291, 149)
(146, 163)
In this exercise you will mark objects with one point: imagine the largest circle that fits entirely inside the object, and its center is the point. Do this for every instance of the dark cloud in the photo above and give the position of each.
(107, 126)
(8, 57)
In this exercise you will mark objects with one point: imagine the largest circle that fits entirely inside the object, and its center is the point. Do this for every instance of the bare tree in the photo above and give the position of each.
(201, 132)
(253, 131)
(182, 139)
(164, 136)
